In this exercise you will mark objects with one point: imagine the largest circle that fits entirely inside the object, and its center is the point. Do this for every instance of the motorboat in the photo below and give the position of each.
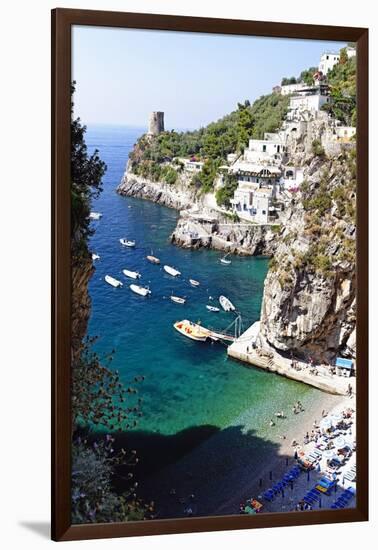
(224, 260)
(112, 281)
(193, 282)
(226, 304)
(126, 242)
(178, 300)
(95, 215)
(172, 271)
(95, 257)
(153, 259)
(131, 274)
(141, 290)
(191, 330)
(213, 308)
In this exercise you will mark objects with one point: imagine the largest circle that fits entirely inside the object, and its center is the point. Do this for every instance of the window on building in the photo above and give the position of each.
(264, 148)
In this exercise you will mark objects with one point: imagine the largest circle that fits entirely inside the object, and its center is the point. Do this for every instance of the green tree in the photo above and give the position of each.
(87, 172)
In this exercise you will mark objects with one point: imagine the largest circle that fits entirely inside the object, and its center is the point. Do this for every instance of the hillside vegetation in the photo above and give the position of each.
(212, 143)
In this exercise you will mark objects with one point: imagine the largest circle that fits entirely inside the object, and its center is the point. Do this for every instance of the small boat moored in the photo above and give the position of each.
(178, 300)
(153, 259)
(224, 260)
(131, 274)
(141, 290)
(95, 256)
(212, 308)
(112, 281)
(171, 271)
(126, 242)
(226, 304)
(191, 330)
(95, 215)
(193, 282)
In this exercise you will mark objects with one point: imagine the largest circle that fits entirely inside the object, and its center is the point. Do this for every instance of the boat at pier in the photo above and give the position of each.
(112, 281)
(126, 242)
(131, 274)
(171, 270)
(141, 290)
(226, 304)
(191, 330)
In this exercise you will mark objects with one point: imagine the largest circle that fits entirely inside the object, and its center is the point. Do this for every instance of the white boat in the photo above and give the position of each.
(131, 274)
(112, 281)
(126, 242)
(212, 308)
(95, 257)
(141, 290)
(95, 215)
(178, 300)
(153, 259)
(193, 282)
(191, 330)
(226, 304)
(171, 270)
(224, 260)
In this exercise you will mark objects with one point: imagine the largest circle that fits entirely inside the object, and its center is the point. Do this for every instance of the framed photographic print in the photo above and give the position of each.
(210, 204)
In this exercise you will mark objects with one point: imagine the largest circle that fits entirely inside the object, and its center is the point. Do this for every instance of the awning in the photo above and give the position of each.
(344, 363)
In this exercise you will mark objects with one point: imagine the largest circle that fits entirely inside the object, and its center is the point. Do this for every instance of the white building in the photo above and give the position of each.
(327, 61)
(192, 165)
(310, 102)
(266, 151)
(350, 51)
(292, 177)
(345, 133)
(293, 88)
(260, 175)
(253, 204)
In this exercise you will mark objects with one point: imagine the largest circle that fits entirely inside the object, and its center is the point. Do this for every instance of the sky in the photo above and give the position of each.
(124, 74)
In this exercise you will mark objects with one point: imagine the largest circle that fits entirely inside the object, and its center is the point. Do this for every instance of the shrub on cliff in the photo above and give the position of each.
(225, 193)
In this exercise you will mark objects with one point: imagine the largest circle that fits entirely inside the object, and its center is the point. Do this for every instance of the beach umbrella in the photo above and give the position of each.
(339, 442)
(336, 418)
(329, 454)
(325, 423)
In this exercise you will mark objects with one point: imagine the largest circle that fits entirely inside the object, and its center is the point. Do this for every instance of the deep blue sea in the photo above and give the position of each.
(187, 383)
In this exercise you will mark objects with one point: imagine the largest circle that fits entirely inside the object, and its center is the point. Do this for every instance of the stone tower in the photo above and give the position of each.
(156, 123)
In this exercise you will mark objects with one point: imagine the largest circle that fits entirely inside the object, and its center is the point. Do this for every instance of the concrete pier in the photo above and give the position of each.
(270, 360)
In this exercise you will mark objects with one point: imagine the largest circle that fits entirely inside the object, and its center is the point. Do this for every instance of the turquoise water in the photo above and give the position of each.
(187, 384)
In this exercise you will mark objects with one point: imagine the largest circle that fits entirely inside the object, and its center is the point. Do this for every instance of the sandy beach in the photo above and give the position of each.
(235, 464)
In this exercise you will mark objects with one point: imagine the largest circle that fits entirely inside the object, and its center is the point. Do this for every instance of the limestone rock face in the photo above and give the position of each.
(309, 296)
(176, 196)
(243, 239)
(81, 273)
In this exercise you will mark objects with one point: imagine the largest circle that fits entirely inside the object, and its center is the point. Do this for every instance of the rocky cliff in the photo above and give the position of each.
(81, 272)
(178, 195)
(309, 302)
(194, 231)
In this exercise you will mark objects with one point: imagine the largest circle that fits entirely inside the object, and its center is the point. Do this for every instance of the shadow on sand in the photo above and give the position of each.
(211, 471)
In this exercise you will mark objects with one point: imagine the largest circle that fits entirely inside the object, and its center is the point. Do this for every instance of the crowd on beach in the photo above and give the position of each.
(325, 459)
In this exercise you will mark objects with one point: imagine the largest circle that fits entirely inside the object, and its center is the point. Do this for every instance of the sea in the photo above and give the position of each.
(189, 387)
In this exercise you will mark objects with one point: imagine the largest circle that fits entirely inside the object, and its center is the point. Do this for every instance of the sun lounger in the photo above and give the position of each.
(268, 495)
